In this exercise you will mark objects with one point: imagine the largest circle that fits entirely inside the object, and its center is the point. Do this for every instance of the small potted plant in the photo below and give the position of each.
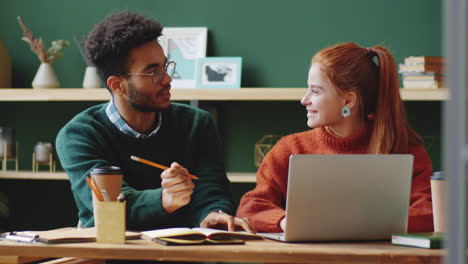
(45, 76)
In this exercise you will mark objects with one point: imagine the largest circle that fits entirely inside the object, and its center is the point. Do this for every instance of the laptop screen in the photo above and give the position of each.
(347, 197)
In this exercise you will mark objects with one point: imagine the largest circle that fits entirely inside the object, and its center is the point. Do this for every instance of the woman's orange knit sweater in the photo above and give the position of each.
(264, 206)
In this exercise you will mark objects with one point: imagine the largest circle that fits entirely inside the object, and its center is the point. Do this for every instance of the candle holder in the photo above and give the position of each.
(51, 163)
(6, 159)
(43, 155)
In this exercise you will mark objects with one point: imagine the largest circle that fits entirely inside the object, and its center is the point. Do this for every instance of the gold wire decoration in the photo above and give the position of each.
(263, 146)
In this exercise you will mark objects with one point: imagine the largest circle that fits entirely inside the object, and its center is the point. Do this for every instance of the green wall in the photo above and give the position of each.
(276, 40)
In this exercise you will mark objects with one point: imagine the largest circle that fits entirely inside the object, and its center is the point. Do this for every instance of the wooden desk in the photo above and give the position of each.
(252, 251)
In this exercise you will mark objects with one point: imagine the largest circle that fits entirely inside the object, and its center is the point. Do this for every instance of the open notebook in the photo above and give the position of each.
(346, 197)
(197, 236)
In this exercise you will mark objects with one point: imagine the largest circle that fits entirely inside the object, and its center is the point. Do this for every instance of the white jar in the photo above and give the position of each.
(7, 138)
(42, 151)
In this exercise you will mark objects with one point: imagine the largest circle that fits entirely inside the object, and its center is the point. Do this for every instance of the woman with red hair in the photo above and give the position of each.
(354, 105)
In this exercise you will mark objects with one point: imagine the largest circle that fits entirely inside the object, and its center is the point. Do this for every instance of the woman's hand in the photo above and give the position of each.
(177, 187)
(283, 224)
(219, 219)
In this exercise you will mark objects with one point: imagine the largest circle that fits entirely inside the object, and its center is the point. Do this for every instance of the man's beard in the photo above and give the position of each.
(137, 101)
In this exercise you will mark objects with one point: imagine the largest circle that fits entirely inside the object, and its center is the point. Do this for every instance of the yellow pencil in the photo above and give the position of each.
(157, 165)
(94, 188)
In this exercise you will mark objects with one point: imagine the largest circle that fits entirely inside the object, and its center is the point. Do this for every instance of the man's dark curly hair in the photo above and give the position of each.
(109, 43)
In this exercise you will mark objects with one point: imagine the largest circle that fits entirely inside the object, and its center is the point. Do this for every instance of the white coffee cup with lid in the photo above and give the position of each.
(439, 201)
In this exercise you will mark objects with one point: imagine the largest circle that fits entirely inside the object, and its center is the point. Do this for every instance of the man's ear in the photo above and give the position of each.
(116, 84)
(351, 99)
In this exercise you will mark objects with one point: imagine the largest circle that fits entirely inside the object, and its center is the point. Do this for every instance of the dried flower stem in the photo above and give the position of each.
(37, 45)
(82, 52)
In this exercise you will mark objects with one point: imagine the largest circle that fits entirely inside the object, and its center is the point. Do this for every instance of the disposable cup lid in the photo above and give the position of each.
(438, 175)
(106, 170)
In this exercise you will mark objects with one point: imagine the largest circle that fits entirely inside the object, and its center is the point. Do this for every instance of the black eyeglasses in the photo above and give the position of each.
(157, 74)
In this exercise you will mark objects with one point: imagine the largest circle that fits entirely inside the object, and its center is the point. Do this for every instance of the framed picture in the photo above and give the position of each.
(219, 72)
(184, 45)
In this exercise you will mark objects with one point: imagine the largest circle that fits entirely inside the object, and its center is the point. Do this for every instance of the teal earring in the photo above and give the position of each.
(345, 112)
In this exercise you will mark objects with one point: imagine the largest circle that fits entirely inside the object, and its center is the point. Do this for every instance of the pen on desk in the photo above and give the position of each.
(154, 164)
(95, 190)
(24, 236)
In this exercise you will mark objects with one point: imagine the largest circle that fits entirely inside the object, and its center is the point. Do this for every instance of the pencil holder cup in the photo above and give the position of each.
(109, 218)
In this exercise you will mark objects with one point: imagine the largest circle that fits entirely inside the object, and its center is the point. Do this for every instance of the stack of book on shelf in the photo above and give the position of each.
(422, 72)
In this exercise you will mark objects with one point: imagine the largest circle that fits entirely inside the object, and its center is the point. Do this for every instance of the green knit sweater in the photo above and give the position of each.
(187, 135)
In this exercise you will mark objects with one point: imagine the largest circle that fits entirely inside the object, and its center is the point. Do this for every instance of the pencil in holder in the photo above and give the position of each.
(109, 218)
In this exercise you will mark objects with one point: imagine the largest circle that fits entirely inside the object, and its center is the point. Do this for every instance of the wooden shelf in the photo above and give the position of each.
(179, 94)
(241, 177)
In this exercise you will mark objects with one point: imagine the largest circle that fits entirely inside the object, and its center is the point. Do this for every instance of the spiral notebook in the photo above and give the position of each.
(61, 235)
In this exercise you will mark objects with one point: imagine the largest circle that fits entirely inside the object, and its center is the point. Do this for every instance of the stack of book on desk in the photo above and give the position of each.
(421, 240)
(422, 72)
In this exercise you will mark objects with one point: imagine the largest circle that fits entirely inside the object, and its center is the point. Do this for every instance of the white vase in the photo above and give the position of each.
(45, 77)
(91, 78)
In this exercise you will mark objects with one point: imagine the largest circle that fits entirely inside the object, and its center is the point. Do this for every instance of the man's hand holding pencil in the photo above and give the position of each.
(177, 187)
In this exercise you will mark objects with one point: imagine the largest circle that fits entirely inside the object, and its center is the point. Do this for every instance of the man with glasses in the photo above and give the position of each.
(140, 120)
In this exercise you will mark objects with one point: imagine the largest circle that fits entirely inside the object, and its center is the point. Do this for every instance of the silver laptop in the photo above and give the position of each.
(346, 197)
